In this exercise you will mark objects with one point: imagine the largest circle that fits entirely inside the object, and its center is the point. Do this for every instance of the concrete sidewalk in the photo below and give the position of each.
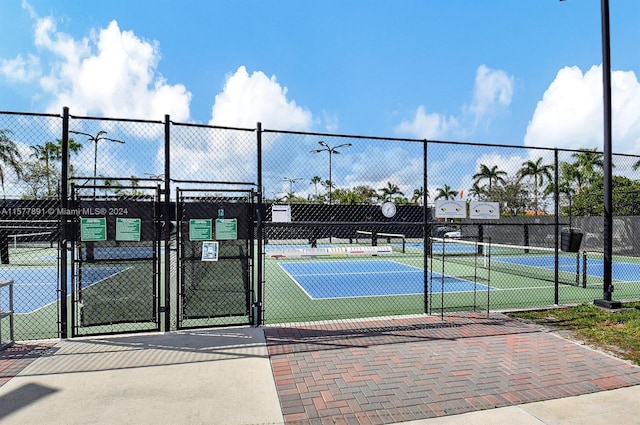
(225, 376)
(219, 376)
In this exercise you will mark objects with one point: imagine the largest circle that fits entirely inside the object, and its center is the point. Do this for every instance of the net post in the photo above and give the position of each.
(577, 268)
(584, 269)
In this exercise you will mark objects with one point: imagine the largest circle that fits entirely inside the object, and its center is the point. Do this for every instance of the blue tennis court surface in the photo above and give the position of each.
(565, 264)
(34, 288)
(368, 278)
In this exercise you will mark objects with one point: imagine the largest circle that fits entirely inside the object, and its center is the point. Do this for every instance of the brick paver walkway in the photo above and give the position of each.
(394, 370)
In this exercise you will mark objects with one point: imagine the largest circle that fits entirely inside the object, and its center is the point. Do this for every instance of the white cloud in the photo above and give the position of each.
(110, 73)
(570, 114)
(228, 155)
(247, 99)
(493, 90)
(428, 126)
(21, 69)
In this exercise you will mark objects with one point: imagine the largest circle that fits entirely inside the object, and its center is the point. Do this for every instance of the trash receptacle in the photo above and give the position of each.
(570, 239)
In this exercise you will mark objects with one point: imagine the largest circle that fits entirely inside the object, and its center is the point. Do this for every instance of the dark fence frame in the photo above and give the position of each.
(414, 215)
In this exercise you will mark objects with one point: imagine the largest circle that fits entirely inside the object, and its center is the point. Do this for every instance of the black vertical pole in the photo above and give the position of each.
(259, 228)
(608, 202)
(64, 206)
(556, 227)
(426, 227)
(167, 224)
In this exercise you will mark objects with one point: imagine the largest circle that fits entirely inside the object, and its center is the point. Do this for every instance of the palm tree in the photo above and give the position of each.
(539, 172)
(492, 174)
(446, 193)
(477, 191)
(48, 152)
(315, 180)
(588, 166)
(9, 156)
(387, 192)
(418, 196)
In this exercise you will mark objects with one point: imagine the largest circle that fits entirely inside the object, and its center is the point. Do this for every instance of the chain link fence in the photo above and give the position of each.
(312, 226)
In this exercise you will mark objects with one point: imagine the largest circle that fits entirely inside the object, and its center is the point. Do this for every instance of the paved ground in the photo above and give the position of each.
(466, 369)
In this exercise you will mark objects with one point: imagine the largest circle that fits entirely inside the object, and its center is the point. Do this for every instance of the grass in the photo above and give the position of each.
(616, 332)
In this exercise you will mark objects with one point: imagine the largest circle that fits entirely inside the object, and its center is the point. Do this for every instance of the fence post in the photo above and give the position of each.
(556, 214)
(426, 227)
(167, 224)
(258, 302)
(64, 205)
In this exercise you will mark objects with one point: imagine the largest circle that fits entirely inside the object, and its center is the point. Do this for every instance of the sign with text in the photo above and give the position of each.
(128, 229)
(93, 229)
(200, 229)
(451, 209)
(484, 210)
(226, 229)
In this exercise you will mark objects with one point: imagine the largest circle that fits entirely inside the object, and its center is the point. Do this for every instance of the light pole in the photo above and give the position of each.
(607, 161)
(291, 183)
(331, 150)
(95, 139)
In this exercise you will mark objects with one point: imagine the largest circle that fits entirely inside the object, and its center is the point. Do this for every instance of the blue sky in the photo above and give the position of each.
(516, 72)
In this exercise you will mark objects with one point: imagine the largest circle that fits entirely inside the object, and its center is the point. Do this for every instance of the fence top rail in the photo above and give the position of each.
(78, 117)
(212, 182)
(33, 114)
(442, 142)
(137, 179)
(219, 127)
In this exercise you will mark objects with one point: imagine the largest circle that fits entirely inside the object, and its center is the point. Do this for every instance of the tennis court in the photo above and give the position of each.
(368, 278)
(35, 288)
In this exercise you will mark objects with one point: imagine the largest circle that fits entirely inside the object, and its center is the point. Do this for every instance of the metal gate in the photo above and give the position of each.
(215, 257)
(116, 259)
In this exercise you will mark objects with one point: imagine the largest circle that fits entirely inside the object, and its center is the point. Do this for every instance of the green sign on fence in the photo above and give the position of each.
(128, 229)
(93, 229)
(226, 229)
(200, 229)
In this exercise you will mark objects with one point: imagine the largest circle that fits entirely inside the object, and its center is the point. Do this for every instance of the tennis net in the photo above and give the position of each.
(527, 261)
(32, 240)
(395, 240)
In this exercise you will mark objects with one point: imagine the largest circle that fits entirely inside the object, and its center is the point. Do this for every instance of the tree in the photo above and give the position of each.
(589, 166)
(315, 180)
(418, 196)
(539, 173)
(9, 156)
(512, 196)
(365, 194)
(36, 179)
(446, 193)
(477, 191)
(387, 192)
(493, 175)
(329, 186)
(48, 152)
(590, 202)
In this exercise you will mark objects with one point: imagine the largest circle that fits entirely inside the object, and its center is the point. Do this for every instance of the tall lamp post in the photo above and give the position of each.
(331, 150)
(95, 139)
(291, 183)
(607, 160)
